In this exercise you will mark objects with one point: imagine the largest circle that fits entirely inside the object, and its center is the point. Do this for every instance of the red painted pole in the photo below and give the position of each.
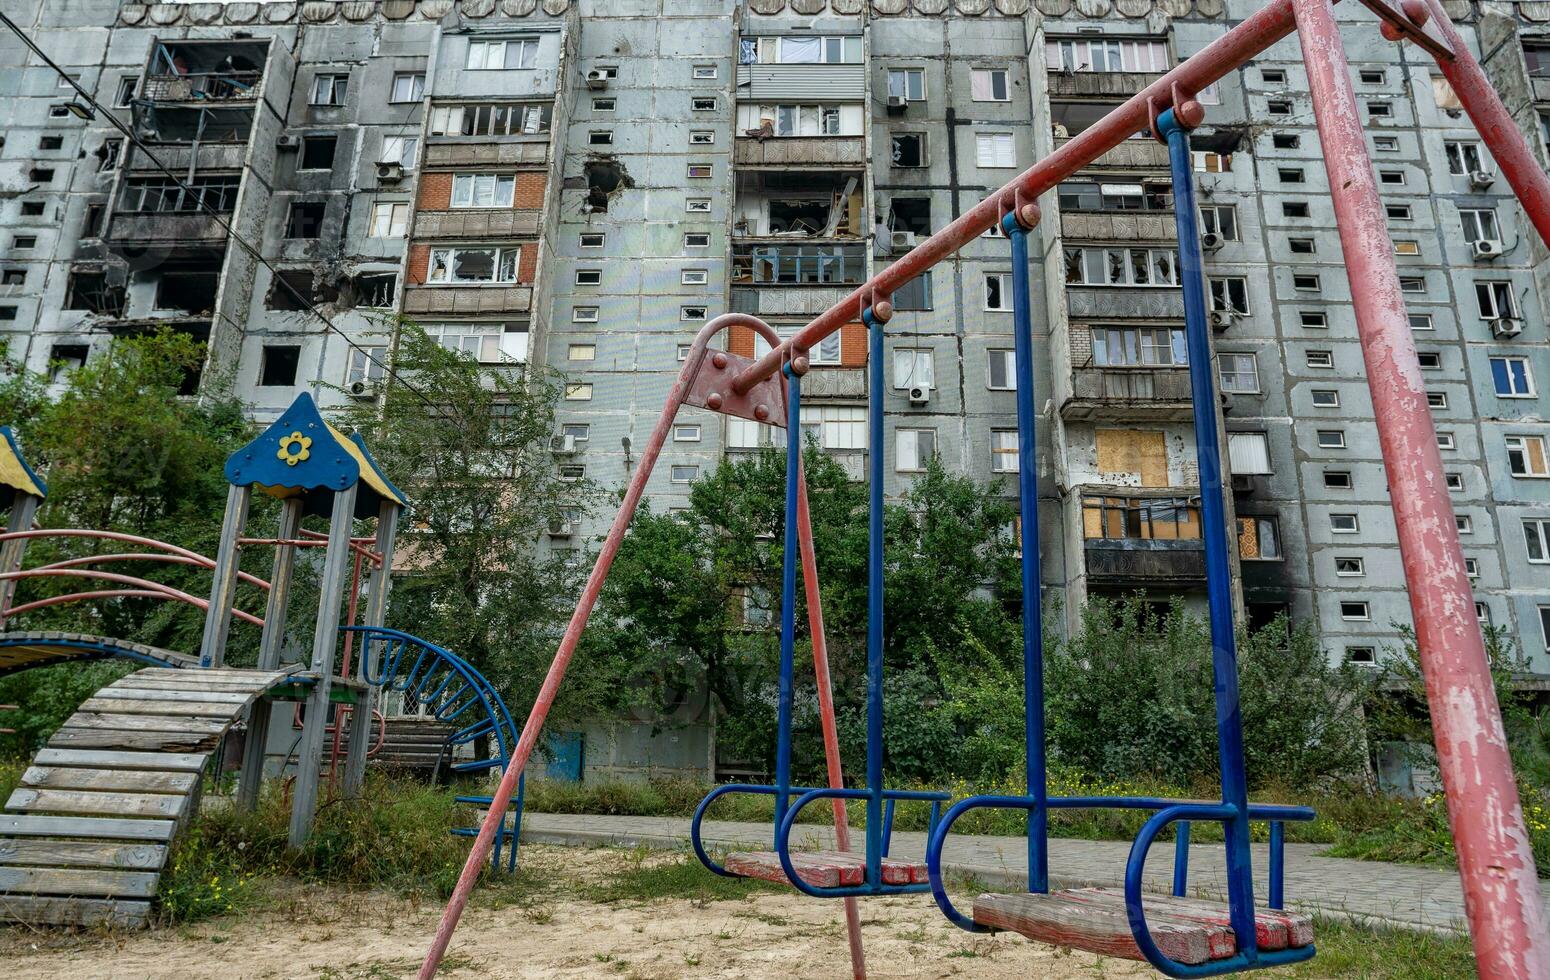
(1501, 887)
(1497, 128)
(578, 622)
(831, 738)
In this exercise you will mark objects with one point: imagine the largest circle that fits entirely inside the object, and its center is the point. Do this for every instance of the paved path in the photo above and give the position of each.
(1414, 896)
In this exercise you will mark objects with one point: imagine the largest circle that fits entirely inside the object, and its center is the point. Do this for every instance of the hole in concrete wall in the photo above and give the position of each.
(305, 219)
(910, 214)
(90, 290)
(605, 178)
(190, 290)
(294, 289)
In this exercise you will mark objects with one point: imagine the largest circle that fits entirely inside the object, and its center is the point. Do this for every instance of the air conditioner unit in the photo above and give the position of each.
(902, 239)
(1222, 319)
(897, 103)
(597, 78)
(1481, 179)
(920, 394)
(562, 529)
(390, 171)
(1506, 326)
(1244, 482)
(1486, 248)
(562, 445)
(287, 141)
(359, 389)
(1211, 241)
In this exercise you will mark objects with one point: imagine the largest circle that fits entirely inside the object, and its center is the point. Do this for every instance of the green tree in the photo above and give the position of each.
(469, 445)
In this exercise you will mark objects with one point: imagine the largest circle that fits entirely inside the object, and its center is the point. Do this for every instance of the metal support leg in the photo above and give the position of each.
(336, 567)
(223, 590)
(376, 614)
(269, 645)
(1174, 125)
(874, 619)
(788, 599)
(1501, 888)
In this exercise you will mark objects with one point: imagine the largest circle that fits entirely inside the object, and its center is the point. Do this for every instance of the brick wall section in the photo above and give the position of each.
(1081, 340)
(436, 191)
(741, 341)
(527, 265)
(419, 261)
(853, 344)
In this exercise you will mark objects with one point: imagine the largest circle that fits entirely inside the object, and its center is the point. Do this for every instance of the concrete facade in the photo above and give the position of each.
(589, 180)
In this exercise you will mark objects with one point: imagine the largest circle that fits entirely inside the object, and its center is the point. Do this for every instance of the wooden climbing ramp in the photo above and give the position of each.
(84, 839)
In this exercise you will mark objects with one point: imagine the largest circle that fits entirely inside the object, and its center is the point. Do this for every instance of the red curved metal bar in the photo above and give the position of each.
(164, 591)
(86, 560)
(59, 600)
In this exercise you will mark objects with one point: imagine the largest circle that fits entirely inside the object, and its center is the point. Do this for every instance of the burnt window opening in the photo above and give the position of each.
(911, 214)
(803, 214)
(64, 358)
(90, 290)
(305, 220)
(375, 290)
(34, 209)
(192, 291)
(7, 312)
(13, 277)
(317, 152)
(292, 289)
(51, 142)
(604, 179)
(909, 149)
(40, 175)
(92, 226)
(278, 368)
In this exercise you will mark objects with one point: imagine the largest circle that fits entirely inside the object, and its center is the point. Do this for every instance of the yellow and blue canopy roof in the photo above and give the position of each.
(301, 455)
(15, 475)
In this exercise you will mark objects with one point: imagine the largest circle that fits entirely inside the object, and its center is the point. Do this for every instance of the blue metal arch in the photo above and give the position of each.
(26, 650)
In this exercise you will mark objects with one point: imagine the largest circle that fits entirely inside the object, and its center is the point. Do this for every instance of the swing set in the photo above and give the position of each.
(1180, 936)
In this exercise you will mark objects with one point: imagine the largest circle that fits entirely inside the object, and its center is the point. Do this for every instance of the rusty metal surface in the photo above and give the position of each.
(711, 388)
(1501, 887)
(1417, 23)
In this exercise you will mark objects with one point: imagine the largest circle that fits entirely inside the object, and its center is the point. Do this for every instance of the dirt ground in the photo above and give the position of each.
(337, 934)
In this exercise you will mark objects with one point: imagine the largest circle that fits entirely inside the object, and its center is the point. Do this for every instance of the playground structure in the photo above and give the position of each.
(85, 836)
(1178, 936)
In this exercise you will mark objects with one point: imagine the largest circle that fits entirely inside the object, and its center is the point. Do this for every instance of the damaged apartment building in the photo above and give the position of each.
(584, 183)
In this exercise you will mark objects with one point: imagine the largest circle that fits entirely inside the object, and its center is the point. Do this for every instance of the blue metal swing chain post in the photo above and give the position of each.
(1028, 501)
(1213, 518)
(874, 619)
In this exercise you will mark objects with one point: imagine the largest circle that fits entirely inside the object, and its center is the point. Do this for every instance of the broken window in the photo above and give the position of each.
(912, 214)
(88, 289)
(317, 152)
(390, 219)
(143, 195)
(108, 155)
(504, 119)
(51, 142)
(368, 365)
(291, 289)
(64, 358)
(192, 291)
(305, 220)
(40, 175)
(34, 209)
(13, 277)
(473, 265)
(604, 177)
(909, 149)
(376, 289)
(278, 368)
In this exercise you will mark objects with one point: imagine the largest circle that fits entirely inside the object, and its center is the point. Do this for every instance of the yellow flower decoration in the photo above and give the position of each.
(294, 448)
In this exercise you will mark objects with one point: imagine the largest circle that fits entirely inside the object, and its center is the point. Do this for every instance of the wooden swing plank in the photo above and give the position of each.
(1273, 928)
(1096, 927)
(895, 870)
(813, 867)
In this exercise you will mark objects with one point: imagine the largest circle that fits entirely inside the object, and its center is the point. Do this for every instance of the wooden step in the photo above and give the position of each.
(45, 852)
(77, 882)
(97, 828)
(1100, 927)
(51, 911)
(822, 869)
(109, 780)
(1273, 928)
(167, 761)
(70, 801)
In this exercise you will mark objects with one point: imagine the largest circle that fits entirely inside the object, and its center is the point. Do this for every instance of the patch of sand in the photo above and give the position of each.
(336, 934)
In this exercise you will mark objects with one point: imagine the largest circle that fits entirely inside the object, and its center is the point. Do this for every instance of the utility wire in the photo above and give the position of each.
(306, 303)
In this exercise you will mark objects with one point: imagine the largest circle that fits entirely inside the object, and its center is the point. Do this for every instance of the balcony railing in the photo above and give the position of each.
(1124, 392)
(210, 86)
(793, 265)
(1142, 538)
(774, 151)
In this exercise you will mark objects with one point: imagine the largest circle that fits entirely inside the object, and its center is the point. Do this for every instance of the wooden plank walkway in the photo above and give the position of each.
(84, 838)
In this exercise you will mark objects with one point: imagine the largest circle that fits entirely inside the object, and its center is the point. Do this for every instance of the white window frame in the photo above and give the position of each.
(1536, 539)
(1316, 392)
(1330, 438)
(584, 314)
(907, 445)
(492, 54)
(996, 149)
(1359, 569)
(389, 219)
(983, 81)
(1003, 287)
(913, 366)
(906, 76)
(1508, 361)
(1355, 610)
(694, 277)
(486, 342)
(506, 270)
(337, 86)
(687, 432)
(1521, 443)
(1355, 525)
(475, 191)
(1004, 451)
(1009, 356)
(416, 82)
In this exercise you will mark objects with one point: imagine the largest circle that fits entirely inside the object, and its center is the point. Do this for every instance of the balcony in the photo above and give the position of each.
(1133, 154)
(775, 300)
(799, 82)
(470, 300)
(205, 71)
(1128, 393)
(1123, 84)
(1124, 302)
(799, 205)
(234, 86)
(1119, 226)
(1143, 540)
(791, 151)
(165, 228)
(804, 264)
(472, 151)
(476, 223)
(180, 157)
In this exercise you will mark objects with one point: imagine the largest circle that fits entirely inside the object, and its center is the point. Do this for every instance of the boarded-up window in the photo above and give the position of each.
(1133, 453)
